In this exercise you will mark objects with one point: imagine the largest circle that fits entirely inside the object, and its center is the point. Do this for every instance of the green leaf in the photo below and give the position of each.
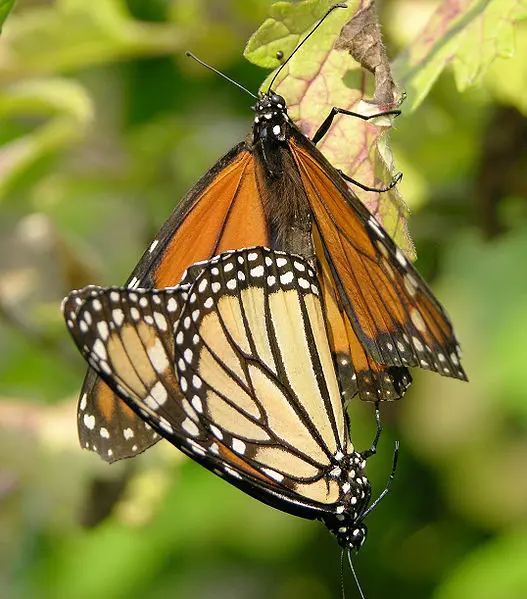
(320, 77)
(288, 24)
(469, 35)
(5, 9)
(506, 79)
(72, 34)
(65, 105)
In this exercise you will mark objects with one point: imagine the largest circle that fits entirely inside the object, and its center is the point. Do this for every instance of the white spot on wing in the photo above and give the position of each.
(216, 432)
(118, 316)
(102, 328)
(239, 446)
(161, 321)
(99, 349)
(273, 474)
(400, 257)
(197, 404)
(157, 396)
(157, 356)
(287, 277)
(417, 344)
(171, 305)
(89, 421)
(190, 427)
(372, 221)
(165, 424)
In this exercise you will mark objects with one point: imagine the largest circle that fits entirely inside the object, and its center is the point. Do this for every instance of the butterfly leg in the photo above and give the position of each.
(388, 484)
(324, 128)
(373, 449)
(394, 182)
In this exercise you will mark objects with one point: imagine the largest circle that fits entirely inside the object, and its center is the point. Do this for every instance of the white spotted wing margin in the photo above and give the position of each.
(256, 398)
(125, 337)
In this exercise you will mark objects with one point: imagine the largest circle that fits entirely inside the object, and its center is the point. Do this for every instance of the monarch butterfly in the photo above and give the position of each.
(233, 366)
(275, 189)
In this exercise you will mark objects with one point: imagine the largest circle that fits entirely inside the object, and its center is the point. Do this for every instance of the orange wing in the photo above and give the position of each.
(221, 212)
(228, 215)
(388, 313)
(358, 372)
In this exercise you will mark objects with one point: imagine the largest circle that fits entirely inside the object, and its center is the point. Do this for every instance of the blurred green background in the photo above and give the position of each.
(104, 126)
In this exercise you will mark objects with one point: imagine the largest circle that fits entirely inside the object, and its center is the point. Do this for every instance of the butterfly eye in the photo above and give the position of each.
(278, 100)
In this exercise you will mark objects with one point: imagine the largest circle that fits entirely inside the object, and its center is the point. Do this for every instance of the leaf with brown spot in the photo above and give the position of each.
(319, 77)
(362, 38)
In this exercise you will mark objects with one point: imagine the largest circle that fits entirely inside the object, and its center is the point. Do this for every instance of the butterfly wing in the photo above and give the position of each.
(222, 211)
(117, 332)
(358, 372)
(388, 308)
(256, 398)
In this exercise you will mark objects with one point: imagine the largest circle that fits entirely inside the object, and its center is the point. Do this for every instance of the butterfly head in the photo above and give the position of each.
(347, 523)
(353, 537)
(271, 118)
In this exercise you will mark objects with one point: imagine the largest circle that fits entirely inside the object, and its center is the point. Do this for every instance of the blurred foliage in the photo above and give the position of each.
(5, 9)
(105, 124)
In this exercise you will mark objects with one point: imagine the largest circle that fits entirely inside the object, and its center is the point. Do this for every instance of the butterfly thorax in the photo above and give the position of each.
(278, 179)
(347, 521)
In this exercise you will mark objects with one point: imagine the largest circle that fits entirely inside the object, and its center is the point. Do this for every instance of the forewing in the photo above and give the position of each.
(254, 362)
(391, 309)
(256, 400)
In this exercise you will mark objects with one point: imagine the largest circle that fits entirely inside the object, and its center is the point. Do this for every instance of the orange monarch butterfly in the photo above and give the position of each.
(276, 189)
(233, 366)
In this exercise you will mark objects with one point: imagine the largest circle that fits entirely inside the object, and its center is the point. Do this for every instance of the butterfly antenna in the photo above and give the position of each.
(304, 41)
(342, 589)
(207, 66)
(355, 575)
